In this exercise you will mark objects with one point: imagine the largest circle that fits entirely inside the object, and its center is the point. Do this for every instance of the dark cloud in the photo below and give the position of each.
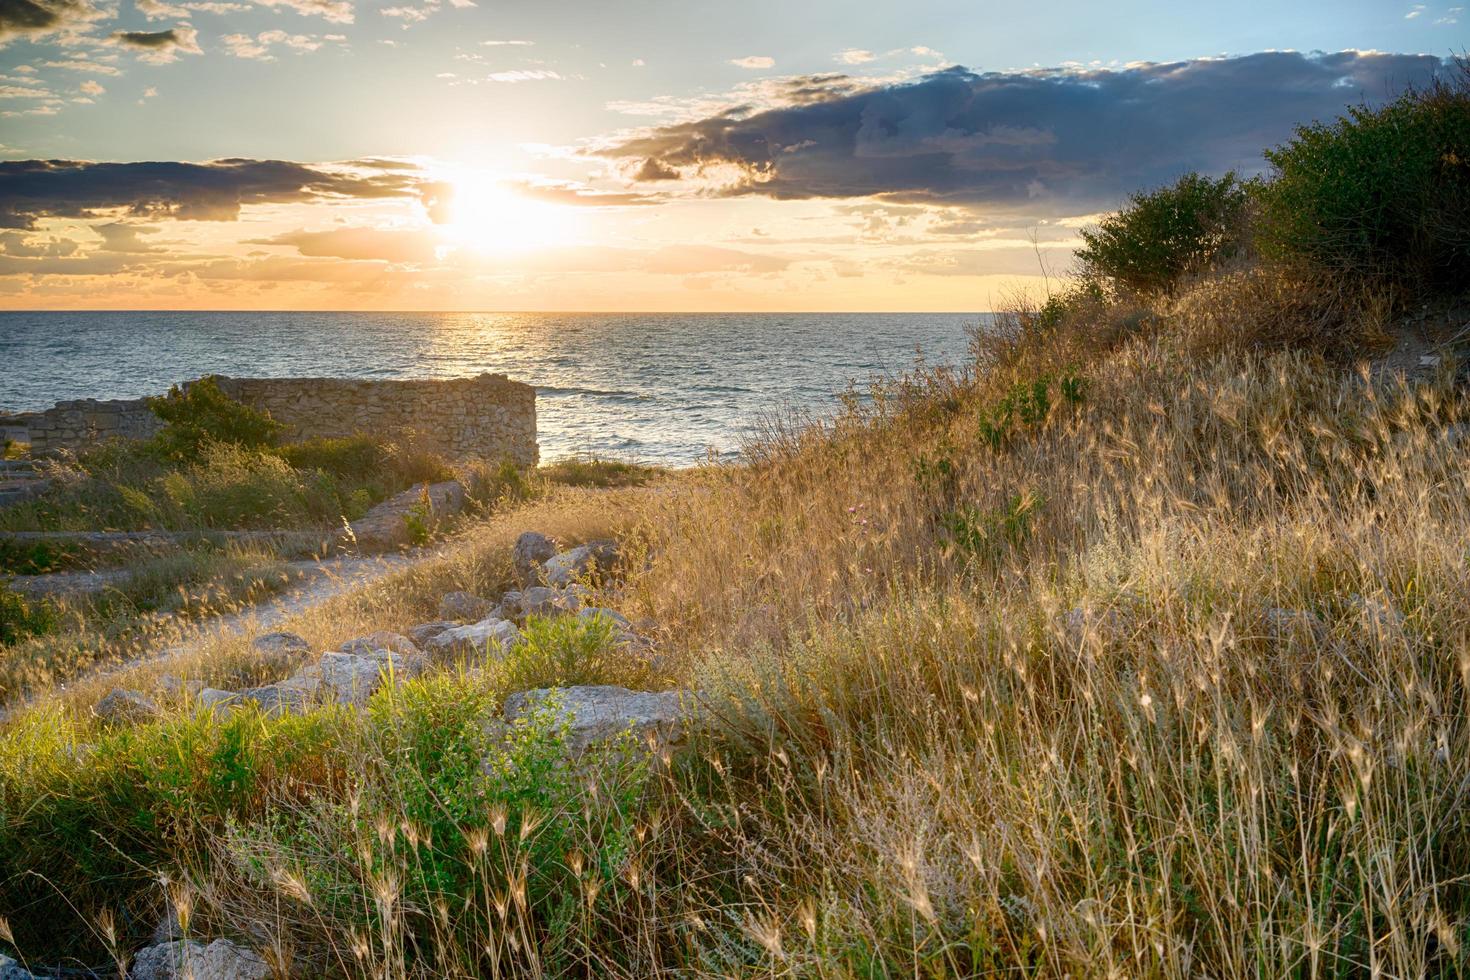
(1037, 139)
(147, 39)
(33, 17)
(159, 47)
(215, 191)
(653, 170)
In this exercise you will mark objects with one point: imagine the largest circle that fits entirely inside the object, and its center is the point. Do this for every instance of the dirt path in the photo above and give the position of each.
(315, 582)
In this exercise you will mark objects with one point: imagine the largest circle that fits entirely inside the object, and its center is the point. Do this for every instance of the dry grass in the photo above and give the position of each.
(1167, 679)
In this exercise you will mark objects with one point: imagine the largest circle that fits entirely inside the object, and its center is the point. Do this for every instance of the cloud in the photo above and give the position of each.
(90, 87)
(33, 18)
(855, 56)
(161, 10)
(31, 190)
(385, 244)
(512, 44)
(411, 15)
(1073, 139)
(83, 65)
(16, 244)
(24, 92)
(571, 193)
(335, 11)
(524, 75)
(259, 46)
(118, 236)
(159, 47)
(754, 61)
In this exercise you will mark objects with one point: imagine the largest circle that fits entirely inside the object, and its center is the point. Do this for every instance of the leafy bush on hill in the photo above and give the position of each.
(200, 415)
(1162, 235)
(1379, 193)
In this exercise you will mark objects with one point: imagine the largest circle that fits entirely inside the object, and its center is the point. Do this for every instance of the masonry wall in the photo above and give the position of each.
(487, 417)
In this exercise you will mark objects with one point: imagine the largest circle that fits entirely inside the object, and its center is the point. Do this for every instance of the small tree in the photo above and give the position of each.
(1161, 235)
(201, 414)
(1381, 194)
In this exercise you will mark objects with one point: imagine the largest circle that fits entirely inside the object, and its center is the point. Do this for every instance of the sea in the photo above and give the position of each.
(671, 389)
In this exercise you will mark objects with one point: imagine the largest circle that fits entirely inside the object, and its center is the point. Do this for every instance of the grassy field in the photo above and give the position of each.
(1135, 647)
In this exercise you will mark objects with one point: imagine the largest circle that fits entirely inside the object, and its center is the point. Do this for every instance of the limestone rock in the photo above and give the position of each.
(381, 640)
(213, 699)
(597, 713)
(565, 568)
(125, 707)
(530, 551)
(616, 618)
(174, 684)
(278, 699)
(220, 960)
(386, 526)
(538, 600)
(281, 646)
(494, 636)
(353, 678)
(424, 632)
(465, 607)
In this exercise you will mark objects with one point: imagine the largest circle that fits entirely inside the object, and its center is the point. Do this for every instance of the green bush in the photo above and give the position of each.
(1379, 193)
(201, 414)
(565, 650)
(21, 617)
(1162, 235)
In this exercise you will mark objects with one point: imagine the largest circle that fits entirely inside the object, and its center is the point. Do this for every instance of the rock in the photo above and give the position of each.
(353, 678)
(386, 526)
(273, 699)
(1378, 614)
(530, 551)
(11, 970)
(424, 632)
(596, 713)
(220, 960)
(538, 600)
(465, 607)
(561, 570)
(176, 685)
(510, 606)
(281, 646)
(494, 636)
(278, 699)
(168, 929)
(124, 707)
(214, 699)
(381, 640)
(616, 618)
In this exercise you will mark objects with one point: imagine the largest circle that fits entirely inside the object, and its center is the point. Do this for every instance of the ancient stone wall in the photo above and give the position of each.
(486, 417)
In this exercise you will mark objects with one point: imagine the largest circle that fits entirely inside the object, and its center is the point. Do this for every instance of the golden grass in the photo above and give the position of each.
(1168, 681)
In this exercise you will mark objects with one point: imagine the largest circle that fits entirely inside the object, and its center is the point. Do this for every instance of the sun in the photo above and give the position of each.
(486, 215)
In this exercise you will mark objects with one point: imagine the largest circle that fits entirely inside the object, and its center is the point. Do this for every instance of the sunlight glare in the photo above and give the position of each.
(487, 216)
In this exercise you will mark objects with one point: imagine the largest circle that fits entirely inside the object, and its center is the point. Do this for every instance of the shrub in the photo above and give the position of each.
(1162, 235)
(202, 414)
(1379, 193)
(501, 483)
(565, 650)
(358, 457)
(21, 617)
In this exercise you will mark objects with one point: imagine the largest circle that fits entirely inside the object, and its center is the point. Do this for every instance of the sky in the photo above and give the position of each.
(634, 155)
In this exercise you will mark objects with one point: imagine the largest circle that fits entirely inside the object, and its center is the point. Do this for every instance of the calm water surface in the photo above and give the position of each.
(661, 388)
